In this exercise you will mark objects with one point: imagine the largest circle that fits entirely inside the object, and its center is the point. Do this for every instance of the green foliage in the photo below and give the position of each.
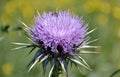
(104, 15)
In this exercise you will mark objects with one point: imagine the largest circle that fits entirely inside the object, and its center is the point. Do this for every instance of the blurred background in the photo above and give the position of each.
(101, 14)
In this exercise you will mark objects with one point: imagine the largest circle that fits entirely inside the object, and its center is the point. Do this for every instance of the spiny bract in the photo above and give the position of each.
(60, 36)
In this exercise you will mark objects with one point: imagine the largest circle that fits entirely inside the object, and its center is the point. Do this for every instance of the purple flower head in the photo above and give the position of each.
(60, 29)
(61, 37)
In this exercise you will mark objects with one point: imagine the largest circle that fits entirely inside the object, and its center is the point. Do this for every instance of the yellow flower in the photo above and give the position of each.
(102, 19)
(10, 8)
(104, 7)
(27, 12)
(116, 12)
(7, 69)
(97, 5)
(6, 19)
(63, 3)
(90, 6)
(26, 8)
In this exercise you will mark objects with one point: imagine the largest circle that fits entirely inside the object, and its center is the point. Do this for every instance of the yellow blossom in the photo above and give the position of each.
(90, 6)
(97, 5)
(6, 19)
(104, 7)
(27, 12)
(63, 3)
(7, 69)
(102, 19)
(116, 12)
(10, 8)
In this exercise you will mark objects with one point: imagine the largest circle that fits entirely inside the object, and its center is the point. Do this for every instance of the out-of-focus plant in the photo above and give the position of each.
(115, 73)
(7, 69)
(8, 28)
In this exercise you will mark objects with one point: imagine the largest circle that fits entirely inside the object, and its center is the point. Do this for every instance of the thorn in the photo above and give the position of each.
(50, 73)
(24, 24)
(35, 62)
(88, 52)
(20, 43)
(87, 46)
(18, 47)
(92, 41)
(90, 31)
(38, 12)
(31, 40)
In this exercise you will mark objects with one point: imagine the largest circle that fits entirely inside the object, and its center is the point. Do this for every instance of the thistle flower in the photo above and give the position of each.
(60, 37)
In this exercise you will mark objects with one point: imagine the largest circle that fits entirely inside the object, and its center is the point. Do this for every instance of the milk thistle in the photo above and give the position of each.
(60, 38)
